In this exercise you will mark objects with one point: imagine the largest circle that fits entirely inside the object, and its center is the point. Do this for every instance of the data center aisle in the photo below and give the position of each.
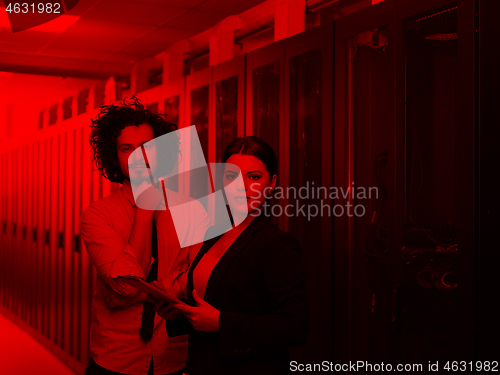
(21, 354)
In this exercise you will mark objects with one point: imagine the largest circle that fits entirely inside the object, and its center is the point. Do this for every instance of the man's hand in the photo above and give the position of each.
(203, 317)
(164, 309)
(113, 299)
(148, 196)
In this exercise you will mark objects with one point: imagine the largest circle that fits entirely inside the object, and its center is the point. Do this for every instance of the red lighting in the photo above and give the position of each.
(57, 25)
(452, 36)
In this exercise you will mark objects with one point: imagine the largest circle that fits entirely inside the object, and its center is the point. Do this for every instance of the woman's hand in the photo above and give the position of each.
(203, 317)
(113, 299)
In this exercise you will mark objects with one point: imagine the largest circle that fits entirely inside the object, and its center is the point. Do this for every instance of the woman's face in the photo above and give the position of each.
(256, 183)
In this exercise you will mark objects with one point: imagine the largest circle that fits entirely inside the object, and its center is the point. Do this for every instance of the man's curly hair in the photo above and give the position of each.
(109, 123)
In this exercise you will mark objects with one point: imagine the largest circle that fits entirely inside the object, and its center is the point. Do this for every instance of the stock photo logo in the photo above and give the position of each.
(50, 16)
(185, 181)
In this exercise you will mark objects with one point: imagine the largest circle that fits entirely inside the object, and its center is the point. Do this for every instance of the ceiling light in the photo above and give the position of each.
(57, 25)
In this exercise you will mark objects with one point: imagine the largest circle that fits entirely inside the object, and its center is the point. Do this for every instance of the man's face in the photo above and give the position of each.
(130, 138)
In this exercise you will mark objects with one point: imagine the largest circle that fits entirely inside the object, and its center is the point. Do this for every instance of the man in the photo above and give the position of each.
(126, 336)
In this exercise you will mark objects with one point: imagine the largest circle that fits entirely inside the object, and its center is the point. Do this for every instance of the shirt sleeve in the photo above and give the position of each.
(111, 255)
(287, 323)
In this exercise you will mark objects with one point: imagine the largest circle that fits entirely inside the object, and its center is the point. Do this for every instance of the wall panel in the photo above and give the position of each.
(265, 103)
(77, 186)
(75, 276)
(88, 270)
(307, 162)
(40, 244)
(46, 239)
(349, 260)
(16, 285)
(59, 341)
(30, 233)
(3, 225)
(198, 111)
(67, 241)
(9, 231)
(173, 103)
(21, 270)
(53, 244)
(228, 117)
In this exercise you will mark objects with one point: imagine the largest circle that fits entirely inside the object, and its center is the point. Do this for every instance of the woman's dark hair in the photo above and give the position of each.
(109, 123)
(254, 146)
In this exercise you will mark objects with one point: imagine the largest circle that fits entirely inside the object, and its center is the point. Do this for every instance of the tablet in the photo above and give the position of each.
(148, 288)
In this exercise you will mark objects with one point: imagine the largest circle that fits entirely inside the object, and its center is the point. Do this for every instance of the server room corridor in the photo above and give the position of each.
(371, 145)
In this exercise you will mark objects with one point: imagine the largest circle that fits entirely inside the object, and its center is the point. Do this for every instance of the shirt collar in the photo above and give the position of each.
(127, 189)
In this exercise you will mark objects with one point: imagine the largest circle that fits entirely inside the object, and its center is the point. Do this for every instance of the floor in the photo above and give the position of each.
(21, 354)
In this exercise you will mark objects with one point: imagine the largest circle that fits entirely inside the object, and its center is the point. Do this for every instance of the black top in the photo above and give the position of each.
(258, 286)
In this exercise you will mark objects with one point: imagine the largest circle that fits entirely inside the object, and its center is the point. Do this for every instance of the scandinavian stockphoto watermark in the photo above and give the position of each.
(312, 201)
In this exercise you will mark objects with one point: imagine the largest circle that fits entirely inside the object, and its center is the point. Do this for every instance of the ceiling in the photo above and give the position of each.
(107, 39)
(111, 35)
(102, 38)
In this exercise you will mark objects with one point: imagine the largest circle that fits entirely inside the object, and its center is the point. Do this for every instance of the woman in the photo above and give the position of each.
(247, 300)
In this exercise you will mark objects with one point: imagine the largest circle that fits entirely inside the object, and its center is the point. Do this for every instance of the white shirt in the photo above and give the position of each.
(106, 224)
